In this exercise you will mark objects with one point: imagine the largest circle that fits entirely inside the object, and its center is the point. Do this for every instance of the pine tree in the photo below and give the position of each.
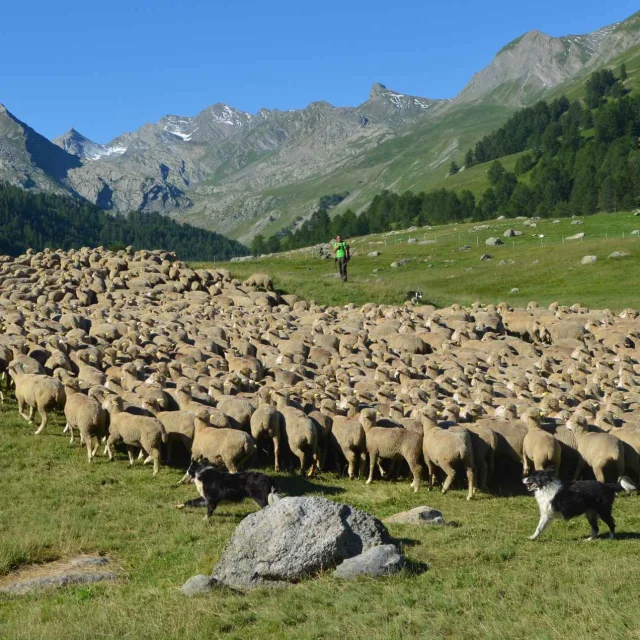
(468, 159)
(623, 72)
(454, 168)
(495, 172)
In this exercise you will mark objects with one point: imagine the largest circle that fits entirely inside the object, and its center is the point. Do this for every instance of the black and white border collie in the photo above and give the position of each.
(414, 297)
(567, 500)
(219, 486)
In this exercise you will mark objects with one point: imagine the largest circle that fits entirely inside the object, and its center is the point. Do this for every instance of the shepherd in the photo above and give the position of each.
(342, 255)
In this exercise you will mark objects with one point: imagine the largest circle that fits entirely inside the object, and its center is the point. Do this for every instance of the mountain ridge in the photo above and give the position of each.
(244, 173)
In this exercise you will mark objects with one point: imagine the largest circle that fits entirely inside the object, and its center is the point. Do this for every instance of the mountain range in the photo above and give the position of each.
(243, 174)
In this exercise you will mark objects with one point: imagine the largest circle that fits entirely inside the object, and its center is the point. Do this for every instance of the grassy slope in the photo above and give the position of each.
(485, 579)
(544, 270)
(417, 161)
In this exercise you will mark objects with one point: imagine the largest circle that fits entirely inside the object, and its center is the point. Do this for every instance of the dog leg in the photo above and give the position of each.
(545, 521)
(592, 517)
(211, 507)
(609, 521)
(198, 502)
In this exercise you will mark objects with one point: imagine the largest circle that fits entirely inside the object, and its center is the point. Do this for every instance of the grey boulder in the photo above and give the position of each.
(418, 515)
(375, 562)
(493, 242)
(296, 538)
(588, 259)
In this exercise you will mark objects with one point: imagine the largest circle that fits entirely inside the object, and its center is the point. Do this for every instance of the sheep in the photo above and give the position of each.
(484, 443)
(445, 449)
(37, 392)
(259, 280)
(145, 432)
(538, 446)
(598, 450)
(300, 431)
(391, 443)
(88, 417)
(347, 438)
(180, 428)
(228, 447)
(265, 423)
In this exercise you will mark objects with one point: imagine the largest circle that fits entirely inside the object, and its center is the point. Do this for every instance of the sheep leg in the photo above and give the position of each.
(89, 452)
(107, 448)
(525, 465)
(451, 476)
(141, 454)
(482, 474)
(95, 449)
(351, 459)
(598, 472)
(363, 465)
(130, 454)
(431, 472)
(43, 422)
(231, 465)
(416, 471)
(576, 475)
(314, 464)
(68, 427)
(156, 461)
(276, 454)
(383, 473)
(373, 459)
(471, 478)
(184, 478)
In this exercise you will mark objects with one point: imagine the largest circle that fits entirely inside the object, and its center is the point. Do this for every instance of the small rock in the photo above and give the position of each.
(588, 259)
(411, 241)
(577, 236)
(485, 256)
(400, 263)
(378, 561)
(22, 587)
(515, 290)
(419, 515)
(536, 262)
(493, 242)
(511, 233)
(83, 561)
(427, 242)
(502, 262)
(635, 232)
(619, 254)
(466, 247)
(577, 222)
(375, 271)
(556, 222)
(198, 585)
(373, 254)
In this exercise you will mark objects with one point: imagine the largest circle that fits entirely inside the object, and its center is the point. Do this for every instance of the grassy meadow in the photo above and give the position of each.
(543, 269)
(484, 579)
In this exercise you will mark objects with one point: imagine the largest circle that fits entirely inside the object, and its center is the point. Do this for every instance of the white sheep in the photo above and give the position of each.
(391, 443)
(37, 392)
(88, 417)
(228, 447)
(539, 447)
(144, 432)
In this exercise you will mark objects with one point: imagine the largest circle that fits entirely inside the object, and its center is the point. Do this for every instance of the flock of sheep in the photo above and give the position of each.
(140, 350)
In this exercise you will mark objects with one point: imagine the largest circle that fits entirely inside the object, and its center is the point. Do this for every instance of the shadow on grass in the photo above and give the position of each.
(300, 486)
(415, 568)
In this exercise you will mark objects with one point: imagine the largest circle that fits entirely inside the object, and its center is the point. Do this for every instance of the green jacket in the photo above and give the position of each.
(341, 249)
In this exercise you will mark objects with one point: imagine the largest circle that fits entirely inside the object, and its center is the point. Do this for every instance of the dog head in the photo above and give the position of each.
(195, 467)
(538, 480)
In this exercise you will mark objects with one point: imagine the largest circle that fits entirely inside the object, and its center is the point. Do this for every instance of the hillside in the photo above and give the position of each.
(244, 174)
(449, 268)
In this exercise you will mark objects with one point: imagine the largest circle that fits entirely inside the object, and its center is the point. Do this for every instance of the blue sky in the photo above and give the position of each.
(110, 68)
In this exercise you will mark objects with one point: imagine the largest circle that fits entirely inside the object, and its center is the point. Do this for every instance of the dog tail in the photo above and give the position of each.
(273, 497)
(626, 485)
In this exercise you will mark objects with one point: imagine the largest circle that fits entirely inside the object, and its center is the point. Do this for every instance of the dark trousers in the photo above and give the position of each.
(342, 265)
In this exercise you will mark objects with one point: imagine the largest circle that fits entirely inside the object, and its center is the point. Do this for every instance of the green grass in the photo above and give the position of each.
(544, 270)
(485, 579)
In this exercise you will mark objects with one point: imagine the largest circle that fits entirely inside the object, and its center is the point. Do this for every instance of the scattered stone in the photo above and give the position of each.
(531, 225)
(486, 256)
(411, 241)
(635, 232)
(577, 222)
(22, 587)
(419, 515)
(493, 242)
(242, 259)
(588, 259)
(400, 263)
(536, 262)
(515, 290)
(427, 242)
(373, 254)
(479, 227)
(636, 213)
(88, 561)
(375, 271)
(198, 585)
(296, 538)
(378, 561)
(619, 254)
(502, 262)
(466, 247)
(556, 222)
(511, 233)
(577, 236)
